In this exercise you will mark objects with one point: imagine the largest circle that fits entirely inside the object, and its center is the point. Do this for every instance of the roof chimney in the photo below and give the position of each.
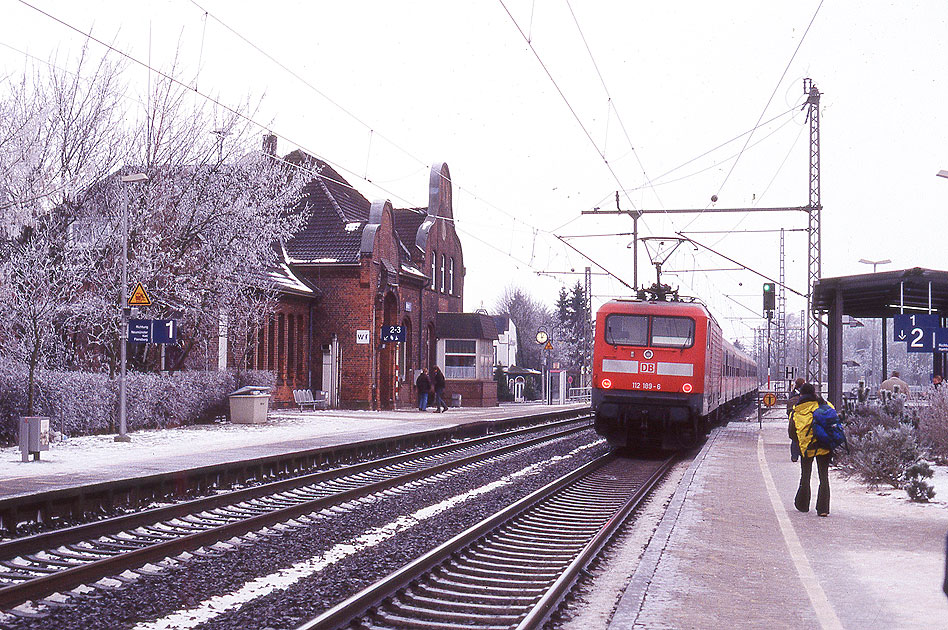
(270, 144)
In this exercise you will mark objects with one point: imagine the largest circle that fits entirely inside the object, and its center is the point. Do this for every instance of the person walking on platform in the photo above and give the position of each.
(423, 385)
(437, 380)
(803, 421)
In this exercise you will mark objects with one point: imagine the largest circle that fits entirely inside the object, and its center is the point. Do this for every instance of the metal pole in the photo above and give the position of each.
(123, 341)
(123, 338)
(635, 250)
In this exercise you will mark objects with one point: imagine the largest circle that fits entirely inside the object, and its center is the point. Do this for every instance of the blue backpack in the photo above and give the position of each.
(828, 428)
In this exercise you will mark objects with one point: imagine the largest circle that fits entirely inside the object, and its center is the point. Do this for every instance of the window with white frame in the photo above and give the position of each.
(460, 358)
(444, 286)
(434, 258)
(451, 276)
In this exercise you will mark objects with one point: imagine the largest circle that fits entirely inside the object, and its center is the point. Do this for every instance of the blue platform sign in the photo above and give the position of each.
(164, 331)
(921, 340)
(393, 333)
(139, 331)
(912, 328)
(941, 340)
(152, 331)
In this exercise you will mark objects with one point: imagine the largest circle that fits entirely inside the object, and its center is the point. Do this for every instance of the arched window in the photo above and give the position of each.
(434, 281)
(404, 352)
(444, 286)
(451, 277)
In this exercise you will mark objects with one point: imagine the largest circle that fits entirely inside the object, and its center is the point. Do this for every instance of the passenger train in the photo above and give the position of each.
(663, 373)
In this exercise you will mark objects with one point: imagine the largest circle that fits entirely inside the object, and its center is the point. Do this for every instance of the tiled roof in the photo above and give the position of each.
(407, 222)
(465, 326)
(337, 214)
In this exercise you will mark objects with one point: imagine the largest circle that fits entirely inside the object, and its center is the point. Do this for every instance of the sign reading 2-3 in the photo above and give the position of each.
(393, 333)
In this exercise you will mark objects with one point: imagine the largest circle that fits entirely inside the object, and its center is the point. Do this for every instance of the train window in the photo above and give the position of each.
(627, 330)
(673, 332)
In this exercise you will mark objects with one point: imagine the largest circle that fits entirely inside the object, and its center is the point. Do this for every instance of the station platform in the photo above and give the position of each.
(95, 459)
(732, 552)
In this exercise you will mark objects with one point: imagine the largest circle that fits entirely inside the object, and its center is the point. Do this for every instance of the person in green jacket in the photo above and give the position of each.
(802, 418)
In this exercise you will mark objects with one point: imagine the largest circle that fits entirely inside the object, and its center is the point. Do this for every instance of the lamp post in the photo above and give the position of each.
(123, 340)
(872, 359)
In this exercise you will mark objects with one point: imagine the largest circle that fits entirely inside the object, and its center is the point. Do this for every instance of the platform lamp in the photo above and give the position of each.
(123, 341)
(885, 366)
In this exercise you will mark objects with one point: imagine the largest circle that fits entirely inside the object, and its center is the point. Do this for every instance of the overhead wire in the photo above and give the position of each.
(776, 87)
(566, 100)
(611, 103)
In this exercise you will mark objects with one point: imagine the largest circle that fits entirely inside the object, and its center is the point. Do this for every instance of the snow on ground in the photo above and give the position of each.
(102, 451)
(97, 452)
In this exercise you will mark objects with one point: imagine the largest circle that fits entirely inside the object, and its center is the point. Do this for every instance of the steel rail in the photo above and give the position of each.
(74, 502)
(551, 599)
(376, 594)
(77, 533)
(68, 578)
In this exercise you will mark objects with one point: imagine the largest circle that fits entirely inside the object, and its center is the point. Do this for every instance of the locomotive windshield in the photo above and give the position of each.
(627, 330)
(633, 330)
(673, 332)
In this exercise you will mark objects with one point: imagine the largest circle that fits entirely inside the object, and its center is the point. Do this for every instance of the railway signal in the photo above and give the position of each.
(770, 299)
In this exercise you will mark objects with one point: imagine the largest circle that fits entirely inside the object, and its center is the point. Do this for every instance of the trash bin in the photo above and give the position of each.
(248, 405)
(34, 436)
(455, 400)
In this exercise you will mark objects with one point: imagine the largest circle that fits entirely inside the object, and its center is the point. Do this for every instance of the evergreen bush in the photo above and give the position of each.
(915, 485)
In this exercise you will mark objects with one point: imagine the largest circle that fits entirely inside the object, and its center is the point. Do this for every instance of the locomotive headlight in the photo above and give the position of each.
(686, 388)
(606, 383)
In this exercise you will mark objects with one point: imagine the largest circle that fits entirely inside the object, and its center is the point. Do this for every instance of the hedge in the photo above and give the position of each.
(84, 403)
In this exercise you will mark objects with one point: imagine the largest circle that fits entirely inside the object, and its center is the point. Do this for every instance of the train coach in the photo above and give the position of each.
(663, 373)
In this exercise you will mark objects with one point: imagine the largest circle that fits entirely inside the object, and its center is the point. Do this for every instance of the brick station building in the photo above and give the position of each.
(355, 267)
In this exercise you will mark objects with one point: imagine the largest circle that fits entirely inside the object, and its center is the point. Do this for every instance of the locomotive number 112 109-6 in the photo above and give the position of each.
(646, 386)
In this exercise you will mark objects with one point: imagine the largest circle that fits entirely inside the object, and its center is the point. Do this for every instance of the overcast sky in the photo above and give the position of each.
(385, 89)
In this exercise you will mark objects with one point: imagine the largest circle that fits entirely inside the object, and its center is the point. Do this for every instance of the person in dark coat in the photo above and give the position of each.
(423, 385)
(437, 380)
(792, 399)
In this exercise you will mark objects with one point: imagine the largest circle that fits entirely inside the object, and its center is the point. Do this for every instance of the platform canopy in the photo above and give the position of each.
(884, 294)
(876, 295)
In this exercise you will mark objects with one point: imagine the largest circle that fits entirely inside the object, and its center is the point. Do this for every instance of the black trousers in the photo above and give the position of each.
(802, 500)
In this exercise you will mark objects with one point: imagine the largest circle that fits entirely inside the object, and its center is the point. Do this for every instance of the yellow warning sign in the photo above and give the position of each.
(548, 346)
(139, 297)
(770, 399)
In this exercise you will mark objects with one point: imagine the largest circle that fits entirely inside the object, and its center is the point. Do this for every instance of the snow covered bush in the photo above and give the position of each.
(933, 425)
(915, 485)
(881, 455)
(84, 403)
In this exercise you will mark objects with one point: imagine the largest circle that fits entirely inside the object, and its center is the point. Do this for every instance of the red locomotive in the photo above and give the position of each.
(663, 372)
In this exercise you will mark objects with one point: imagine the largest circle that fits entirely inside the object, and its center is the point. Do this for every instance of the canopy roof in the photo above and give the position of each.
(881, 294)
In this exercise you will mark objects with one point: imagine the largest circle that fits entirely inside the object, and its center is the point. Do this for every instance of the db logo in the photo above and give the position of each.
(686, 388)
(647, 368)
(606, 383)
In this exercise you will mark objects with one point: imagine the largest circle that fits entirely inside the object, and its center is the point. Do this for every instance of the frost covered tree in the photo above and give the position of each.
(202, 230)
(41, 275)
(571, 317)
(528, 315)
(59, 134)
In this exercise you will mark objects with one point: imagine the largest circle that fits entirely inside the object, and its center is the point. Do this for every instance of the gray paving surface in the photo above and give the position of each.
(719, 559)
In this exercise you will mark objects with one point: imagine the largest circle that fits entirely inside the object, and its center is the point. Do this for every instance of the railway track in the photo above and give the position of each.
(34, 567)
(512, 569)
